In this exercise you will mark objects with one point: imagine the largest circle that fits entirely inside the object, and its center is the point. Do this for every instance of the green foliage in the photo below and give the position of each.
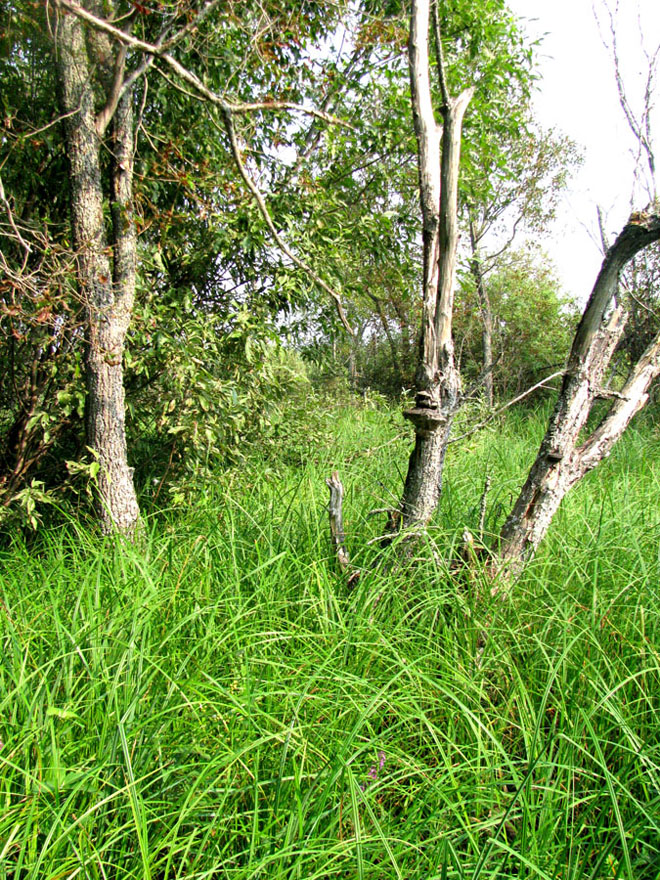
(218, 703)
(533, 326)
(200, 389)
(485, 47)
(40, 337)
(198, 219)
(375, 368)
(41, 388)
(203, 372)
(360, 210)
(534, 323)
(522, 192)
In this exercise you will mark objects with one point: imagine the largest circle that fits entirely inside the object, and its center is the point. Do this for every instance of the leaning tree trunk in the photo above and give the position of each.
(437, 379)
(107, 295)
(562, 461)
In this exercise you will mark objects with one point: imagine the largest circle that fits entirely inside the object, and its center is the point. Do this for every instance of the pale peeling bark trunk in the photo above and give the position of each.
(107, 295)
(561, 462)
(437, 380)
(335, 513)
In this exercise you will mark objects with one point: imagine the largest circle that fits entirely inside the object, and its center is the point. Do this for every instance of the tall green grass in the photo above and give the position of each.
(218, 704)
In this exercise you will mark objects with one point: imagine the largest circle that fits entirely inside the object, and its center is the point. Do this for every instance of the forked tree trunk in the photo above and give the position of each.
(562, 460)
(437, 379)
(107, 294)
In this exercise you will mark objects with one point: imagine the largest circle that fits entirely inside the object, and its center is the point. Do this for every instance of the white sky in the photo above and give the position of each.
(577, 94)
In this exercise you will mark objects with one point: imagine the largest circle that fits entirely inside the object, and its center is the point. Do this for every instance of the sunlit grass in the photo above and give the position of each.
(216, 703)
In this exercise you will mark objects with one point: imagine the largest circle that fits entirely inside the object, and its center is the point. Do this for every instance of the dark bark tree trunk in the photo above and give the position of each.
(107, 294)
(437, 379)
(562, 460)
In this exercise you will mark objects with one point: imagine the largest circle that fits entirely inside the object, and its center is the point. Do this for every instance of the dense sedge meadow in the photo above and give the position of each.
(217, 703)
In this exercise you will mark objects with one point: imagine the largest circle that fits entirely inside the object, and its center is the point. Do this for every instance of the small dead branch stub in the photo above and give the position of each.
(335, 514)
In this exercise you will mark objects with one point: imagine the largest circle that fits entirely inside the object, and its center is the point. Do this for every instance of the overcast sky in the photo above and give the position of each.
(577, 94)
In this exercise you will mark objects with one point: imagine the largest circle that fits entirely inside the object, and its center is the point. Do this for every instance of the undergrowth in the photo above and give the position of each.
(216, 703)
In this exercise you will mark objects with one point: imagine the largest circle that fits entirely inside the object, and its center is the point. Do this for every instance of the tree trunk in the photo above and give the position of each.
(107, 295)
(437, 379)
(561, 462)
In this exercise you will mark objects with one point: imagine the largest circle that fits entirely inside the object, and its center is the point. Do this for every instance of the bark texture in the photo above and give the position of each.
(335, 514)
(562, 460)
(107, 292)
(437, 379)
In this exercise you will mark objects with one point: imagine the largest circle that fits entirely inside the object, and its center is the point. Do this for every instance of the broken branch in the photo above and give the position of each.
(336, 522)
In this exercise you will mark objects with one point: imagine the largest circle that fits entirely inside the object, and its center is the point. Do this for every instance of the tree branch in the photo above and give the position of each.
(642, 229)
(442, 78)
(160, 51)
(499, 411)
(4, 201)
(640, 127)
(115, 93)
(628, 402)
(263, 209)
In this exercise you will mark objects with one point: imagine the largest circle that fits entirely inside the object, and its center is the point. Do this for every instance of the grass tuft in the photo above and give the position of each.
(216, 702)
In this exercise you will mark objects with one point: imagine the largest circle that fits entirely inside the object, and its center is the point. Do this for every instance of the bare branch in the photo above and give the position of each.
(628, 402)
(115, 93)
(165, 44)
(640, 126)
(482, 507)
(641, 230)
(336, 488)
(506, 406)
(188, 28)
(448, 218)
(604, 239)
(10, 214)
(60, 118)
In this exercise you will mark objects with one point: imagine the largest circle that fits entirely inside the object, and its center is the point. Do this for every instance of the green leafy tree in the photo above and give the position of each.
(201, 238)
(41, 397)
(534, 323)
(562, 460)
(502, 200)
(472, 37)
